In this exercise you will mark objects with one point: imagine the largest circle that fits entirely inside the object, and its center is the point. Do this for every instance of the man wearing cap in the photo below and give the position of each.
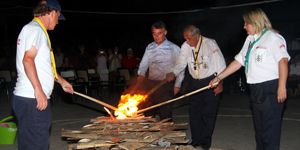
(36, 75)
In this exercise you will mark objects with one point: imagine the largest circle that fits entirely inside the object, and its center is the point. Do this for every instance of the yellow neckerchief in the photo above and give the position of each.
(196, 52)
(53, 65)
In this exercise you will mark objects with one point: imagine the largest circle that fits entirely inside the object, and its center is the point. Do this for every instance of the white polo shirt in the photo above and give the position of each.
(264, 57)
(33, 35)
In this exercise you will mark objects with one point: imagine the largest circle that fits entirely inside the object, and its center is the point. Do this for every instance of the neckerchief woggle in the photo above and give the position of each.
(53, 65)
(251, 44)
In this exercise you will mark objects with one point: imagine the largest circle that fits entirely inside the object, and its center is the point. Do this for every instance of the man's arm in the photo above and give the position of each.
(67, 87)
(219, 64)
(30, 70)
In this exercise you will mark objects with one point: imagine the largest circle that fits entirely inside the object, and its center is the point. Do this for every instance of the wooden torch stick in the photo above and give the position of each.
(97, 101)
(156, 87)
(175, 99)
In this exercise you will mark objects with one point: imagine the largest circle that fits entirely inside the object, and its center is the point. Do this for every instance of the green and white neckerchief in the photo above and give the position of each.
(251, 44)
(53, 65)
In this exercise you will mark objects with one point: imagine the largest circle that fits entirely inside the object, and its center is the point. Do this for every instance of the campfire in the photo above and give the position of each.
(128, 105)
(130, 131)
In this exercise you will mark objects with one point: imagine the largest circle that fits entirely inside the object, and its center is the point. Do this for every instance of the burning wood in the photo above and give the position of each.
(128, 105)
(130, 130)
(133, 101)
(110, 114)
(129, 133)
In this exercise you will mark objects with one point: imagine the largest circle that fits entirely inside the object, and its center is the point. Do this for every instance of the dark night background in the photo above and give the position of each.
(99, 24)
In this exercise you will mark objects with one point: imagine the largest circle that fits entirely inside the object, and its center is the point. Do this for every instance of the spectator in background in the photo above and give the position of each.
(67, 63)
(114, 60)
(129, 61)
(4, 57)
(83, 58)
(3, 62)
(102, 65)
(59, 57)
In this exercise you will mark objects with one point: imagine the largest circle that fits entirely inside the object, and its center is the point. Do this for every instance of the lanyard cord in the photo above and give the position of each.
(53, 65)
(251, 44)
(197, 51)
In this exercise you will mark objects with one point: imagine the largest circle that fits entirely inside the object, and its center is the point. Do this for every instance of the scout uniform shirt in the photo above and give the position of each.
(210, 59)
(264, 56)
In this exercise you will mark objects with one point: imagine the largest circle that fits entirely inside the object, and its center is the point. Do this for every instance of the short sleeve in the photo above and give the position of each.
(279, 49)
(33, 38)
(240, 57)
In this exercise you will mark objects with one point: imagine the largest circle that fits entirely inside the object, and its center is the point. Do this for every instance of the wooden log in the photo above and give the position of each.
(104, 119)
(93, 144)
(172, 147)
(132, 145)
(127, 134)
(136, 127)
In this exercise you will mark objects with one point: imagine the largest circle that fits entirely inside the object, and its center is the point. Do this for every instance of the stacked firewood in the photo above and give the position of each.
(138, 133)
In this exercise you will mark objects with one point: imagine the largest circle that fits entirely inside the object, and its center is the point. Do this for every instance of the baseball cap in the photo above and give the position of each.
(54, 4)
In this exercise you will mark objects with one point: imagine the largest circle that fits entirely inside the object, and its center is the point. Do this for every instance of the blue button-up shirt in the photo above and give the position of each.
(160, 59)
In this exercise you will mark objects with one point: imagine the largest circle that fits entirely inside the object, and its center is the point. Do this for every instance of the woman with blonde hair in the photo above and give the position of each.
(265, 58)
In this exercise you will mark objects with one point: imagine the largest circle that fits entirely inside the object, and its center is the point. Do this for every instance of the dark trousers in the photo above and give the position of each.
(203, 112)
(33, 125)
(164, 93)
(267, 115)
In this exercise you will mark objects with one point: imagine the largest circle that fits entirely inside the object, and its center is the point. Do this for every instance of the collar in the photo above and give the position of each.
(162, 43)
(201, 38)
(257, 35)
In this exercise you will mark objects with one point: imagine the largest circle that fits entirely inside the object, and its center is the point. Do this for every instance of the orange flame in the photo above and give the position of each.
(127, 106)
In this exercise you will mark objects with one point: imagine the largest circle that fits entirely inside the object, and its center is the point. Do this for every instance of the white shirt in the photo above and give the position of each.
(210, 59)
(33, 35)
(264, 57)
(160, 59)
(101, 64)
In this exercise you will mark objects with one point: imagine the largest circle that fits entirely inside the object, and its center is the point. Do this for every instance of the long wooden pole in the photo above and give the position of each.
(97, 101)
(175, 99)
(156, 87)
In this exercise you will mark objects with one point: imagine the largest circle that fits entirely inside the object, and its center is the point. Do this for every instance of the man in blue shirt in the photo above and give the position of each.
(159, 58)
